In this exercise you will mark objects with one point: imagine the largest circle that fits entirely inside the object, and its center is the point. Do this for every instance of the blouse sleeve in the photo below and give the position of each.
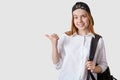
(101, 58)
(60, 51)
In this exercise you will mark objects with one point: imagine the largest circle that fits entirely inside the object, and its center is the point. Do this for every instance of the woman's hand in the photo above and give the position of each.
(53, 37)
(90, 66)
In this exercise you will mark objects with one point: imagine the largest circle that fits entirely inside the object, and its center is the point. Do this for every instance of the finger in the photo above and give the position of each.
(89, 65)
(92, 70)
(54, 35)
(48, 36)
(89, 68)
(89, 62)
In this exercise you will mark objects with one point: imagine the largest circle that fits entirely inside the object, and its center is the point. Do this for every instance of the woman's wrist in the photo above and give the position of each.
(97, 69)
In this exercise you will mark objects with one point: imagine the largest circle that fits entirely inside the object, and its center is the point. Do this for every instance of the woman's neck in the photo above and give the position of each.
(85, 32)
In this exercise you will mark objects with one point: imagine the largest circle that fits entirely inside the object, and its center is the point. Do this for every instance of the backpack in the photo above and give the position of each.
(106, 75)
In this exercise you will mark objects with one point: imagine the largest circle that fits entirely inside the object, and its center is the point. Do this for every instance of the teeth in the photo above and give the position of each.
(80, 24)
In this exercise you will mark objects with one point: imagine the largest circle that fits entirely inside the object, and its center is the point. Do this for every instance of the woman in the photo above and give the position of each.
(70, 52)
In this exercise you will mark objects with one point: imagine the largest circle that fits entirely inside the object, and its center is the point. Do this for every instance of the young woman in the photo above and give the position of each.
(70, 52)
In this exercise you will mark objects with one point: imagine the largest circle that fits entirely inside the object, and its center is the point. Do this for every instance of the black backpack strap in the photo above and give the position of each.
(93, 47)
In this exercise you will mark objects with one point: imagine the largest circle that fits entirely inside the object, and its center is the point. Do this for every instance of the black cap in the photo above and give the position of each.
(81, 5)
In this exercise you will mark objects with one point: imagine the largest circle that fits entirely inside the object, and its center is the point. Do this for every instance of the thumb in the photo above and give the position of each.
(47, 35)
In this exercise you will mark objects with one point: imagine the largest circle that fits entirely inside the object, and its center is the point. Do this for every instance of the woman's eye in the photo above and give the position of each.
(75, 17)
(83, 16)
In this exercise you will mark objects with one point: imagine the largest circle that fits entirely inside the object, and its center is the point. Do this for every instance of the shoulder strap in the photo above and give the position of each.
(93, 47)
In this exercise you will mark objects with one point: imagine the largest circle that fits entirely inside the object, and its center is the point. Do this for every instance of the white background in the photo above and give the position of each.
(25, 53)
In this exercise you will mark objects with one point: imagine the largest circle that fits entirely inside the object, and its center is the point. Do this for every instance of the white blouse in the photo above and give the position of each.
(75, 52)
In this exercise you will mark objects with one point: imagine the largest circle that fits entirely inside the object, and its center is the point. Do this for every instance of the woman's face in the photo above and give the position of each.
(81, 20)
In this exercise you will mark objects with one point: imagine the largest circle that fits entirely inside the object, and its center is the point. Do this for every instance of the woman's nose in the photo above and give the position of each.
(80, 19)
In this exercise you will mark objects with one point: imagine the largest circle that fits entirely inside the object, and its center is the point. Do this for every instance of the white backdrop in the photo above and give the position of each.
(25, 53)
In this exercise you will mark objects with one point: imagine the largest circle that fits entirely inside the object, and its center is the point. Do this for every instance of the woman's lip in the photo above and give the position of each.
(80, 24)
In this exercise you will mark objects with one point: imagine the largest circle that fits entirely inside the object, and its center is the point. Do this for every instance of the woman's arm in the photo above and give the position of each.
(100, 59)
(55, 54)
(54, 40)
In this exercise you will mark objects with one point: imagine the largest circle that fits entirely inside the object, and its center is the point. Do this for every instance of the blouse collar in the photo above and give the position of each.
(89, 34)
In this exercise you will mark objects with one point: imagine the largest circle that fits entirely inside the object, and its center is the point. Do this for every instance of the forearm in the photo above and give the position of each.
(55, 55)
